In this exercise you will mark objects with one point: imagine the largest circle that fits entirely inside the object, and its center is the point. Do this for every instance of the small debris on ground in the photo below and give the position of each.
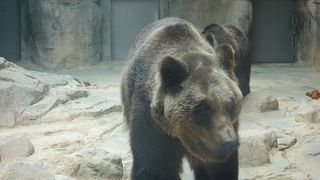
(86, 83)
(76, 79)
(314, 94)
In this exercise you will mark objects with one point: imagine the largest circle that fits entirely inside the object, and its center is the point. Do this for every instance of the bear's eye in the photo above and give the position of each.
(202, 113)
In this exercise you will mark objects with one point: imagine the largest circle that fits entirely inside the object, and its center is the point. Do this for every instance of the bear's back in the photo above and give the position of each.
(166, 36)
(229, 34)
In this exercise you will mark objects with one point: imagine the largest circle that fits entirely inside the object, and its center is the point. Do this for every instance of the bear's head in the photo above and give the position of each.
(197, 101)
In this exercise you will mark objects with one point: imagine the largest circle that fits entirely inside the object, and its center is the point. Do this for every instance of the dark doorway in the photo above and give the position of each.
(128, 18)
(10, 29)
(273, 34)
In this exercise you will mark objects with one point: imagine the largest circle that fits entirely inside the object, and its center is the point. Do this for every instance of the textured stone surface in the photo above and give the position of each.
(259, 102)
(255, 146)
(96, 104)
(308, 20)
(285, 141)
(307, 155)
(15, 146)
(18, 90)
(205, 12)
(309, 112)
(30, 97)
(65, 34)
(51, 29)
(92, 163)
(29, 170)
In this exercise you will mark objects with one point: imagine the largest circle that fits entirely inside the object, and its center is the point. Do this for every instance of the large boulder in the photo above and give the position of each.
(255, 146)
(256, 102)
(308, 112)
(15, 146)
(92, 163)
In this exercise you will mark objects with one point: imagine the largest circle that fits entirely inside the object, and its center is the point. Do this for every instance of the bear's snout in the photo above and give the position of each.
(230, 146)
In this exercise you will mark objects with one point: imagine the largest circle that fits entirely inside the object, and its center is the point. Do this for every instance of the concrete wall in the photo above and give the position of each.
(309, 33)
(205, 12)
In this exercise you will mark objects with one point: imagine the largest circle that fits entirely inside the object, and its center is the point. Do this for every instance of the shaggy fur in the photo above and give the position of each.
(228, 34)
(180, 98)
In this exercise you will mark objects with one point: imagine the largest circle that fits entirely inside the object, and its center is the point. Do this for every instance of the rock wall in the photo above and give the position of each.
(204, 12)
(65, 34)
(308, 18)
(68, 34)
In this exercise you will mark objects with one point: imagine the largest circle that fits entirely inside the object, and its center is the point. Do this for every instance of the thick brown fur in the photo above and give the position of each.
(228, 34)
(180, 98)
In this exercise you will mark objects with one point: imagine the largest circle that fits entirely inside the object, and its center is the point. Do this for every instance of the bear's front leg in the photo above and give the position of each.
(227, 170)
(156, 156)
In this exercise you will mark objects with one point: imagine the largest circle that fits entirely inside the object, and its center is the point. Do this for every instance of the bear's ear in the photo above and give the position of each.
(172, 72)
(209, 37)
(226, 57)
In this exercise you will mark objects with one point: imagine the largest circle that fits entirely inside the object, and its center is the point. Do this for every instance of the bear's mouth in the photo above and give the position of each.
(205, 150)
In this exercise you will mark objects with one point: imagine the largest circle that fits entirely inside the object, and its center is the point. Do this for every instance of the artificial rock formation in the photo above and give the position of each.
(65, 34)
(31, 97)
(204, 12)
(308, 14)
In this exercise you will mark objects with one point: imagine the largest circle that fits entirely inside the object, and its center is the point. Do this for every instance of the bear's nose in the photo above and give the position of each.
(231, 145)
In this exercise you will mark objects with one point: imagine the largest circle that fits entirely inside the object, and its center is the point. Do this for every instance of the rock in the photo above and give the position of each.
(55, 97)
(29, 95)
(269, 103)
(285, 141)
(52, 38)
(258, 102)
(98, 103)
(55, 80)
(4, 63)
(92, 163)
(255, 146)
(15, 146)
(309, 112)
(26, 170)
(18, 90)
(37, 110)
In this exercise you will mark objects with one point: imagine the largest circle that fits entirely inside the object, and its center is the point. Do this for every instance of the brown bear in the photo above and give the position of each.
(179, 100)
(228, 34)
